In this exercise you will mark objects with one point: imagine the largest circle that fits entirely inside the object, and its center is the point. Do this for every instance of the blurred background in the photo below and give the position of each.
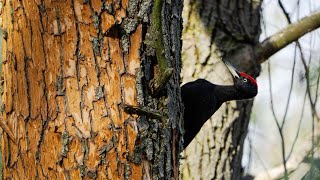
(282, 117)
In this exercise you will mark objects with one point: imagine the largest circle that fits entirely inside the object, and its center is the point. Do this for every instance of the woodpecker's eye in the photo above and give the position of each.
(245, 80)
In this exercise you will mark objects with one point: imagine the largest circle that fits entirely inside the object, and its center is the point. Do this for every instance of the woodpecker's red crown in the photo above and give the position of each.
(251, 79)
(236, 74)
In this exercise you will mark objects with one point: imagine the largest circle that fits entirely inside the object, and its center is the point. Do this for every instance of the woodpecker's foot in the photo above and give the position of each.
(7, 130)
(143, 112)
(158, 83)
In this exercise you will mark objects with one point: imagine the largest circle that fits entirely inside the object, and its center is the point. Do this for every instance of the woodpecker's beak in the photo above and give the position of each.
(235, 73)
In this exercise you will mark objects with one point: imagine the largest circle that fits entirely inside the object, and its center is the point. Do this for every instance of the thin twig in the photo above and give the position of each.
(290, 91)
(318, 83)
(279, 127)
(299, 127)
(307, 90)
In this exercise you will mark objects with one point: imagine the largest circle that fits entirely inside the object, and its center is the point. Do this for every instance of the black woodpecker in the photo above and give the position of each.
(202, 99)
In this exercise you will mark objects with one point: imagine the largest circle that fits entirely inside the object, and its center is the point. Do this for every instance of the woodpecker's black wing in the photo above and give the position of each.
(200, 104)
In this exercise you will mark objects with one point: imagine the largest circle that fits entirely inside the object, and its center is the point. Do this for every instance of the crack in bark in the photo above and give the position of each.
(77, 51)
(26, 74)
(45, 119)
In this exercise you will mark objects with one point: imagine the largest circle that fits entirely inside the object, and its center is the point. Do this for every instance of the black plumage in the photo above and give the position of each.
(202, 99)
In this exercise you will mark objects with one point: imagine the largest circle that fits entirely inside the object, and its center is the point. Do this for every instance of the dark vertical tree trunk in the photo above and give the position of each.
(214, 29)
(70, 68)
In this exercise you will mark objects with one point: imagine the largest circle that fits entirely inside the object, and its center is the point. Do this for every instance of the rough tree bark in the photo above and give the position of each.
(214, 29)
(70, 68)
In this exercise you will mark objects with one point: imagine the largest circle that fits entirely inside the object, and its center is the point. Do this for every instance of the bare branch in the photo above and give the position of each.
(291, 33)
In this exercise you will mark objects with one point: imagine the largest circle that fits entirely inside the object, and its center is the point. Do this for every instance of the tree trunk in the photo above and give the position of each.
(213, 29)
(69, 70)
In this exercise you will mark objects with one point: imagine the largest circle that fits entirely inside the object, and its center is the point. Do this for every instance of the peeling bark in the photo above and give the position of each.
(68, 69)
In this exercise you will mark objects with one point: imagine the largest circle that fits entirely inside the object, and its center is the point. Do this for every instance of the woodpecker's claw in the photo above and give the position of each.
(235, 73)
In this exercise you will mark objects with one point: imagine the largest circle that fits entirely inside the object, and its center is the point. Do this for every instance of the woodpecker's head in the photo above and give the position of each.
(245, 84)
